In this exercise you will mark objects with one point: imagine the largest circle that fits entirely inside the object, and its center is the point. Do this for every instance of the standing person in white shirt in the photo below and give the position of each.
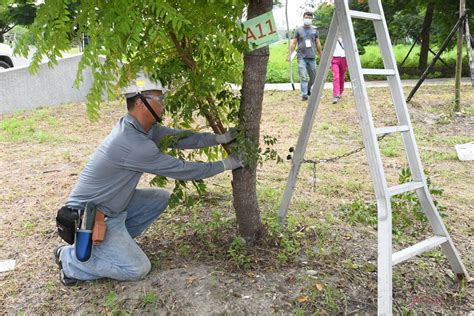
(338, 68)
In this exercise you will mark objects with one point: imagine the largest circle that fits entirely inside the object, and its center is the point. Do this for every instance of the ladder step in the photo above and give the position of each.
(405, 187)
(391, 129)
(418, 248)
(365, 15)
(383, 72)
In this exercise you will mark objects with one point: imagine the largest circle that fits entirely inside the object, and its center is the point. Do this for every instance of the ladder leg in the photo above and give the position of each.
(439, 229)
(308, 121)
(384, 259)
(384, 228)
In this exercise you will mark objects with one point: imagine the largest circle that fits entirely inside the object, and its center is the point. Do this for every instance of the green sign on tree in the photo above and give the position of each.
(261, 31)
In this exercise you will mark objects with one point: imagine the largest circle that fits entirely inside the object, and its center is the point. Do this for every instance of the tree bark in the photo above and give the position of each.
(457, 85)
(425, 36)
(244, 183)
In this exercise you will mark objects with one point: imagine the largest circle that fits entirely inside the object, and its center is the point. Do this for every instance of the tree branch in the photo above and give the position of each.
(183, 53)
(212, 117)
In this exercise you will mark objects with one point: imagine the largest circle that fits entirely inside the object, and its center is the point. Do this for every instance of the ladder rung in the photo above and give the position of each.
(391, 129)
(405, 187)
(365, 15)
(383, 72)
(418, 248)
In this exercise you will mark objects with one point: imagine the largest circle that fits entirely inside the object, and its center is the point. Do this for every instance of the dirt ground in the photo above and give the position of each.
(333, 269)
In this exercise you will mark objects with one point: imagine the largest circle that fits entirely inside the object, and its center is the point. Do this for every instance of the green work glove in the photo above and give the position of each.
(227, 137)
(232, 162)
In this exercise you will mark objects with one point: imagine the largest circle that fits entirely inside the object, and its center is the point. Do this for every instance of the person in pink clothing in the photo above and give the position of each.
(338, 68)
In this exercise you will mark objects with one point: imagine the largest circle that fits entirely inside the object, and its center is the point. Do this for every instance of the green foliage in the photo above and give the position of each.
(149, 298)
(288, 239)
(170, 141)
(238, 252)
(270, 153)
(360, 211)
(323, 16)
(195, 47)
(408, 217)
(405, 25)
(111, 300)
(182, 193)
(113, 305)
(363, 29)
(252, 155)
(19, 12)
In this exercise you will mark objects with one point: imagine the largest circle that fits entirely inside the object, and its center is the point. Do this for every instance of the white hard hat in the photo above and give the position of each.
(142, 83)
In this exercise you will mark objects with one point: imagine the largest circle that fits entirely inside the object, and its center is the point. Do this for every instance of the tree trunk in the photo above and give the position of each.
(457, 86)
(425, 36)
(244, 183)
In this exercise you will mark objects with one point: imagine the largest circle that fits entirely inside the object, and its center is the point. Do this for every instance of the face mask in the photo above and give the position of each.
(307, 21)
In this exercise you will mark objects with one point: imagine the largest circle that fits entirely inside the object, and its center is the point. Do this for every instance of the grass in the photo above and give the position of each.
(278, 66)
(331, 226)
(39, 126)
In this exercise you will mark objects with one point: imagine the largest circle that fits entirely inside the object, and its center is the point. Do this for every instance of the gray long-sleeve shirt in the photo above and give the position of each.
(114, 169)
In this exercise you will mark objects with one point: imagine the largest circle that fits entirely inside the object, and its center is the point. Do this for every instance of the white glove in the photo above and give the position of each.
(232, 162)
(225, 138)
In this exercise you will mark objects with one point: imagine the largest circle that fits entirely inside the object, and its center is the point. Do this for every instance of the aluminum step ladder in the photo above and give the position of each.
(342, 21)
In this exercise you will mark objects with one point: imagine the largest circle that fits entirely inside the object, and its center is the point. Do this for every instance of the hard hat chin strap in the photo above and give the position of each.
(148, 106)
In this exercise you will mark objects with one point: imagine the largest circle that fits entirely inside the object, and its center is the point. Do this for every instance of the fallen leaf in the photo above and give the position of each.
(303, 298)
(319, 286)
(190, 281)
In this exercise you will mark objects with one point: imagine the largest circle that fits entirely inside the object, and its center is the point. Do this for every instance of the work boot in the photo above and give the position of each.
(304, 98)
(335, 100)
(57, 254)
(65, 280)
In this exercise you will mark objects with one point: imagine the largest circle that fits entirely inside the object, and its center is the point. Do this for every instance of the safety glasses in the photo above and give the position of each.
(159, 98)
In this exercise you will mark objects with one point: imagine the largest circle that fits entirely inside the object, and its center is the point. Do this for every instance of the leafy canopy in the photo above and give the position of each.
(19, 12)
(195, 46)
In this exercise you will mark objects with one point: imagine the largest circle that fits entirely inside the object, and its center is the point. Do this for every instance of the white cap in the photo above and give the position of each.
(142, 83)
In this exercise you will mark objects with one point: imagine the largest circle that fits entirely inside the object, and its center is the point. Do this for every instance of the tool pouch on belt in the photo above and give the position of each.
(66, 221)
(98, 231)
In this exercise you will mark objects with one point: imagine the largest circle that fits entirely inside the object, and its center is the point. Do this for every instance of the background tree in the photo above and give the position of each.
(439, 17)
(194, 46)
(405, 26)
(430, 21)
(12, 13)
(425, 35)
(323, 16)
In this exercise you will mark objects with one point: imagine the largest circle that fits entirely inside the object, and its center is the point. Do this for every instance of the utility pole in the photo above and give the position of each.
(457, 93)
